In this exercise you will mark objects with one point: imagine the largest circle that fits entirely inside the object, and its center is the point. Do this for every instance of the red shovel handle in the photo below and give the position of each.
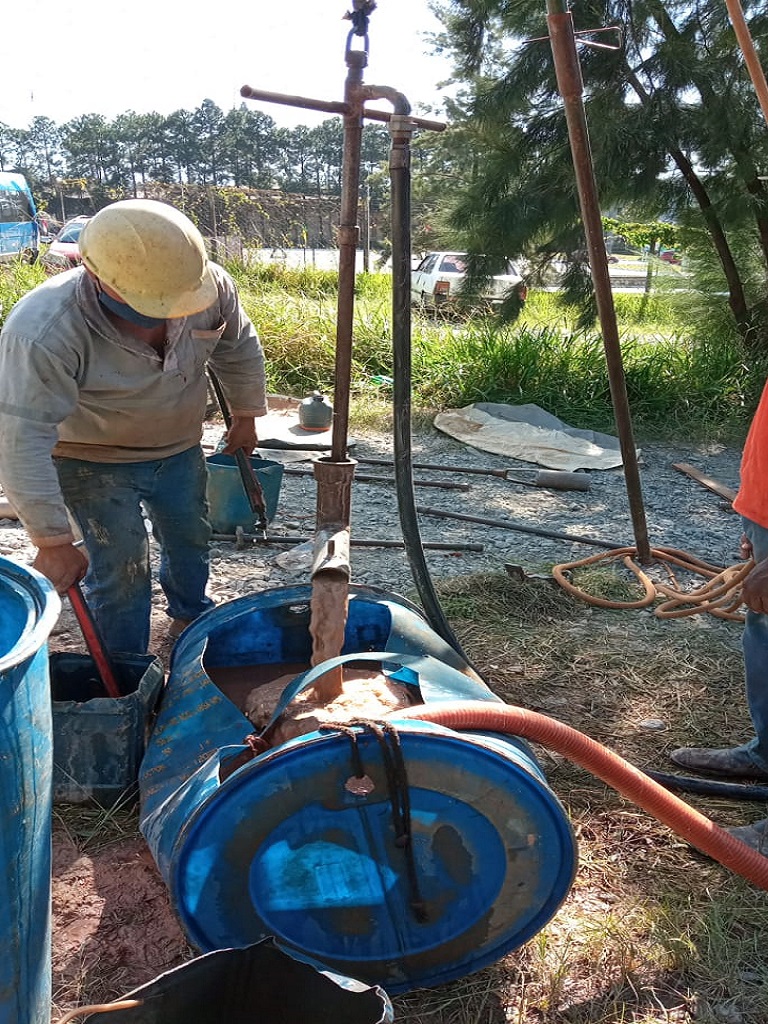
(93, 640)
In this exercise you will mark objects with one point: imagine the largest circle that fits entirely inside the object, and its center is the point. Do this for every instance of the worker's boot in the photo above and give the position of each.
(729, 762)
(754, 835)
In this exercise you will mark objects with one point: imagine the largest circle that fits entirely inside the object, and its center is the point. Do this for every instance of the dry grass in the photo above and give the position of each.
(651, 931)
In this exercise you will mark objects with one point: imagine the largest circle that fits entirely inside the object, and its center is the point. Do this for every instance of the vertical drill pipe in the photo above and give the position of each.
(350, 188)
(569, 82)
(332, 536)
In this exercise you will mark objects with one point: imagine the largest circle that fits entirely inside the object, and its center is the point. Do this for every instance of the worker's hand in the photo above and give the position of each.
(242, 434)
(754, 589)
(63, 565)
(745, 547)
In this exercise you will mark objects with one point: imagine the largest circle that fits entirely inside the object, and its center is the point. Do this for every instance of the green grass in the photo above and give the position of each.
(16, 279)
(681, 380)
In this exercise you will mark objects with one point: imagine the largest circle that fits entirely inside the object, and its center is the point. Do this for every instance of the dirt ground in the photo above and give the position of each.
(114, 928)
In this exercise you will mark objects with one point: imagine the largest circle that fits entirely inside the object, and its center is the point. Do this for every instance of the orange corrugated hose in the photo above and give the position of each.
(622, 776)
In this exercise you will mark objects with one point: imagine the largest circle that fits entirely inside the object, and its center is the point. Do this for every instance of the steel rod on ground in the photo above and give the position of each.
(356, 542)
(510, 524)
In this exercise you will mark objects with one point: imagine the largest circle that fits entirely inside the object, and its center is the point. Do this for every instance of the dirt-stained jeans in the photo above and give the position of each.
(106, 501)
(755, 645)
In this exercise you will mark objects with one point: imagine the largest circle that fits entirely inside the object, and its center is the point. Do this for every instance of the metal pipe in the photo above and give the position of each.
(510, 524)
(355, 542)
(751, 59)
(369, 478)
(569, 82)
(348, 236)
(334, 106)
(332, 533)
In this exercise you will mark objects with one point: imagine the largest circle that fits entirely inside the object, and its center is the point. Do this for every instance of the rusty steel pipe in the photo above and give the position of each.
(570, 86)
(337, 106)
(348, 234)
(241, 538)
(334, 501)
(331, 553)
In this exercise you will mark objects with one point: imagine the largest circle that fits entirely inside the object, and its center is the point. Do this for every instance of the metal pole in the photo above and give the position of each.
(569, 82)
(348, 237)
(751, 59)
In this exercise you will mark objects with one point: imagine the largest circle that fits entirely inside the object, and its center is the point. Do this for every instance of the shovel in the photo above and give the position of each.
(555, 479)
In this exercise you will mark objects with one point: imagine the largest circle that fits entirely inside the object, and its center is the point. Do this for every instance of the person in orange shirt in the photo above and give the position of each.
(750, 760)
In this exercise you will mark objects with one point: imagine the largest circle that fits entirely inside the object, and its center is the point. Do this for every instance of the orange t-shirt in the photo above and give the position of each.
(752, 499)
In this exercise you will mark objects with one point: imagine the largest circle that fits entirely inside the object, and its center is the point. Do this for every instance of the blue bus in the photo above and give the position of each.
(19, 229)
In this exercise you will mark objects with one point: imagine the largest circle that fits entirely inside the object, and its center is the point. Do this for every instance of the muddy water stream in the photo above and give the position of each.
(344, 693)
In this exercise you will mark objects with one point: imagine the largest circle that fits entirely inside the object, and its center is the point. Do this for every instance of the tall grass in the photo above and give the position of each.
(16, 279)
(679, 380)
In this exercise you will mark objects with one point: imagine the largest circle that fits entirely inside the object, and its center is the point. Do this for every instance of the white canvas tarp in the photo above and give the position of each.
(531, 434)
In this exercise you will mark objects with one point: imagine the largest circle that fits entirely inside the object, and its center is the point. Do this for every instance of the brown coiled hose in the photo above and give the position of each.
(630, 782)
(720, 595)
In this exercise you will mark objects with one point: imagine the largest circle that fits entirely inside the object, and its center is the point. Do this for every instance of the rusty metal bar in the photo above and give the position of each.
(348, 236)
(332, 534)
(332, 106)
(287, 100)
(569, 82)
(256, 539)
(751, 59)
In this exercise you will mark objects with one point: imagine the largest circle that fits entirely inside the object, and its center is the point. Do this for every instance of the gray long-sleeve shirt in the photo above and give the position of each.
(72, 384)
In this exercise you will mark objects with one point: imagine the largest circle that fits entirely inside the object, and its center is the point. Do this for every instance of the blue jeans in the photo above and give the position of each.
(755, 645)
(105, 500)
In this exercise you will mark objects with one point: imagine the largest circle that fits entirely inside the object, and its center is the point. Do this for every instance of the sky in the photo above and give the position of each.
(163, 55)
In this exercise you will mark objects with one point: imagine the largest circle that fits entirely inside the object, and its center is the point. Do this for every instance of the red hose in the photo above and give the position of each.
(622, 776)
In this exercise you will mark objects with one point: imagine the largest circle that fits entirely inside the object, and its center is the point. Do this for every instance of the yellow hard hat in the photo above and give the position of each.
(151, 255)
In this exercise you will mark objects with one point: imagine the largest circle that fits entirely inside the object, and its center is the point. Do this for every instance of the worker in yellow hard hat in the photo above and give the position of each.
(103, 394)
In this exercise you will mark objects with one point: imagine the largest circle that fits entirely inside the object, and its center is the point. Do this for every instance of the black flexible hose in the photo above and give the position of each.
(399, 170)
(710, 787)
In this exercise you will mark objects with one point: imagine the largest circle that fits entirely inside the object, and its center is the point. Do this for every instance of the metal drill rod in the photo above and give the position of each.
(255, 538)
(370, 478)
(570, 86)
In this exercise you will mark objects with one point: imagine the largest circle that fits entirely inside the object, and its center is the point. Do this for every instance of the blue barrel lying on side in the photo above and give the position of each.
(29, 608)
(404, 854)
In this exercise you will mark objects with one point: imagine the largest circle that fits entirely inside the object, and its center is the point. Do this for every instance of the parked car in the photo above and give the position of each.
(438, 281)
(670, 256)
(19, 229)
(64, 251)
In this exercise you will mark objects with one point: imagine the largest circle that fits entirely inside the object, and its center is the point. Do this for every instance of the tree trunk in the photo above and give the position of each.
(736, 297)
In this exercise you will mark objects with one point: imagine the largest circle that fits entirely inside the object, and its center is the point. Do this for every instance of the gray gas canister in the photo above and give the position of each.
(315, 412)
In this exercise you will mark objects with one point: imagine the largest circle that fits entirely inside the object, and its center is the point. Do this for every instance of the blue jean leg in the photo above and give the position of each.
(105, 502)
(755, 647)
(178, 508)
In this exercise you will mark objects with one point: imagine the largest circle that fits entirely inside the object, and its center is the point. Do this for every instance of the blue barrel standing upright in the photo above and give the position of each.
(29, 608)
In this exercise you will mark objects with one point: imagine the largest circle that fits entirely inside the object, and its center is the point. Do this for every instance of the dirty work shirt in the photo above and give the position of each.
(72, 384)
(752, 498)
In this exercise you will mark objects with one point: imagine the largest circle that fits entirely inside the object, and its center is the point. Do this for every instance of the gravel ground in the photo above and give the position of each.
(679, 513)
